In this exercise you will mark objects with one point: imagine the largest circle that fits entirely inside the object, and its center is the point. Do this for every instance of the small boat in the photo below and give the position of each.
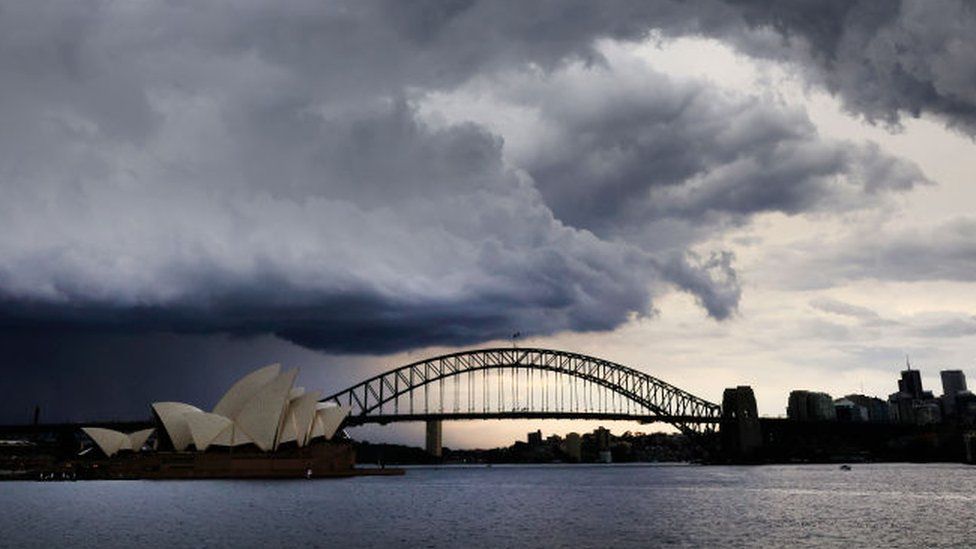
(845, 467)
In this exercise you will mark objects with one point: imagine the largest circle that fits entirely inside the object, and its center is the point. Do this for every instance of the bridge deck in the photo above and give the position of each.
(384, 419)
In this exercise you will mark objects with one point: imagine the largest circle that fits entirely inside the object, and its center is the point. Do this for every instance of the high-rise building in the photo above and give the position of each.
(927, 412)
(953, 386)
(848, 410)
(913, 404)
(535, 438)
(810, 406)
(911, 383)
(602, 438)
(953, 382)
(877, 409)
(573, 446)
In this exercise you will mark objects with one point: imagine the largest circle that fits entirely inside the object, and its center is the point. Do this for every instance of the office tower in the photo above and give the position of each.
(953, 382)
(911, 383)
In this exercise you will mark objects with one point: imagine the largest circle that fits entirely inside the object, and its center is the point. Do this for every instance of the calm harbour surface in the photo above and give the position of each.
(895, 505)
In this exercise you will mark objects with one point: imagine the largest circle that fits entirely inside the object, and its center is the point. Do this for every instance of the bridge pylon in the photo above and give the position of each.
(435, 437)
(741, 432)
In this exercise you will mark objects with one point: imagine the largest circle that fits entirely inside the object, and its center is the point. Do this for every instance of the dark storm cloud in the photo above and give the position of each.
(394, 235)
(259, 169)
(884, 59)
(720, 300)
(630, 146)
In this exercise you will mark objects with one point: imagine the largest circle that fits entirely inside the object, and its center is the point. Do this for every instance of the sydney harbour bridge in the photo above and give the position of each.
(523, 383)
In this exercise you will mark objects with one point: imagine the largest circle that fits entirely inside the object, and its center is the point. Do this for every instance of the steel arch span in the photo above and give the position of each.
(517, 383)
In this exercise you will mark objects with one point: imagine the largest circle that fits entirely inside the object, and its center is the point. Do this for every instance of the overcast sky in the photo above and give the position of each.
(718, 193)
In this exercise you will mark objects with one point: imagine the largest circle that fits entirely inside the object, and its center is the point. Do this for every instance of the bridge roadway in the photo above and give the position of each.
(384, 419)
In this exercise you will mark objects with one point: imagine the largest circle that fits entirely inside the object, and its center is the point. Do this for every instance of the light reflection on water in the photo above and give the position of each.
(507, 506)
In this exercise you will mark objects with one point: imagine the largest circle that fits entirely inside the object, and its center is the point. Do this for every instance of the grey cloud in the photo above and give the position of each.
(261, 169)
(820, 329)
(866, 316)
(256, 169)
(951, 327)
(626, 146)
(713, 281)
(884, 59)
(945, 251)
(397, 235)
(920, 325)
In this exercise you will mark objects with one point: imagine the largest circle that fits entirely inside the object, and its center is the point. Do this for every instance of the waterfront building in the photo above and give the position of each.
(953, 382)
(554, 441)
(262, 410)
(602, 437)
(877, 409)
(573, 446)
(912, 403)
(535, 438)
(927, 412)
(953, 385)
(810, 406)
(847, 410)
(911, 383)
(901, 407)
(966, 405)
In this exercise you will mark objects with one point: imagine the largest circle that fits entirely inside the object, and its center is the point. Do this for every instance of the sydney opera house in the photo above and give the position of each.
(262, 426)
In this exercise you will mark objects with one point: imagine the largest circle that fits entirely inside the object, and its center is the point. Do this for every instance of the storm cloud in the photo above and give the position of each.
(619, 146)
(885, 60)
(258, 170)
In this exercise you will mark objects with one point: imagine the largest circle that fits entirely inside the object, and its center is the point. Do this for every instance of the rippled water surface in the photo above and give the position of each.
(546, 506)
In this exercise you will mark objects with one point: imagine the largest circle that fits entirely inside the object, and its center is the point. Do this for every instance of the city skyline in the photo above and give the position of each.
(715, 193)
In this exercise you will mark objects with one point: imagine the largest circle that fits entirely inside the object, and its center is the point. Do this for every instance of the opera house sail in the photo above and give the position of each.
(262, 415)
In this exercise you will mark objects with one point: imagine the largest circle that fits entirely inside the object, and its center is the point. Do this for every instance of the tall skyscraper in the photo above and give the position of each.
(953, 382)
(911, 382)
(953, 386)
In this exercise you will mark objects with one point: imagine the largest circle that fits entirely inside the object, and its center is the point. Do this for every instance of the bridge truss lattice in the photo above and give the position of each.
(513, 383)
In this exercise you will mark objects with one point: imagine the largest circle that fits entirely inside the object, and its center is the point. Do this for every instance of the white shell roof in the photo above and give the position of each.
(299, 418)
(205, 428)
(233, 401)
(328, 418)
(261, 415)
(172, 414)
(111, 442)
(262, 408)
(138, 439)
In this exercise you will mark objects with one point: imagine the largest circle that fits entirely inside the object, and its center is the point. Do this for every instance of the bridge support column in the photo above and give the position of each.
(740, 430)
(434, 437)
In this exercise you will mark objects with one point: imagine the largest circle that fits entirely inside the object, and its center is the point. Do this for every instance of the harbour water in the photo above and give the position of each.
(894, 505)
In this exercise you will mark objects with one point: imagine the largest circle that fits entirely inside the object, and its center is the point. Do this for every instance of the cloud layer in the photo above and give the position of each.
(884, 59)
(266, 170)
